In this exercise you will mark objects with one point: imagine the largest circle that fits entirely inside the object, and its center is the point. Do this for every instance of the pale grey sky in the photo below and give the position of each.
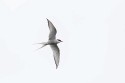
(93, 32)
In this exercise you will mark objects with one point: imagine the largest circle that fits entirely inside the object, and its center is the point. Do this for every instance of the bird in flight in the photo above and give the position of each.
(52, 41)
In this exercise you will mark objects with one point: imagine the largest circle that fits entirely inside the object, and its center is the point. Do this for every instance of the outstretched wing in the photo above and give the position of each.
(56, 54)
(52, 34)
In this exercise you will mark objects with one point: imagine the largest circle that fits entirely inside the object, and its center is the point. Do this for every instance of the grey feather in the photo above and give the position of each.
(53, 31)
(56, 54)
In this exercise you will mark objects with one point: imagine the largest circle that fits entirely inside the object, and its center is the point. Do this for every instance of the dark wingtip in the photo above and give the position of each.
(47, 19)
(56, 66)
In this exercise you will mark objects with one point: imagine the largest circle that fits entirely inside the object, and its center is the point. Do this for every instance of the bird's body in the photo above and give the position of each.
(52, 41)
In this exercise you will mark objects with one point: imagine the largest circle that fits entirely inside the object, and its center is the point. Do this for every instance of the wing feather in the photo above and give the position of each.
(53, 31)
(56, 54)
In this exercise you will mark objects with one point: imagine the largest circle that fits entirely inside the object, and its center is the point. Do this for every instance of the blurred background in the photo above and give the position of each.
(93, 35)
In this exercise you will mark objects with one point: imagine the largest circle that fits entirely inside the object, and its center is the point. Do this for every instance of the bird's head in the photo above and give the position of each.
(58, 40)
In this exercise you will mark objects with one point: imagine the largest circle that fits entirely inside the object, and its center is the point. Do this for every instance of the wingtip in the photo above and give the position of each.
(56, 66)
(47, 19)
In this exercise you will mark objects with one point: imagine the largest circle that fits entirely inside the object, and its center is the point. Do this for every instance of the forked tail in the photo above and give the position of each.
(43, 45)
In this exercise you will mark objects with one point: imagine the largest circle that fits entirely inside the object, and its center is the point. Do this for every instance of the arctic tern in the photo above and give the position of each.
(52, 41)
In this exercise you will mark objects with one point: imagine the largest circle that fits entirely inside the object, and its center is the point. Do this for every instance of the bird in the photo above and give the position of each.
(52, 42)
